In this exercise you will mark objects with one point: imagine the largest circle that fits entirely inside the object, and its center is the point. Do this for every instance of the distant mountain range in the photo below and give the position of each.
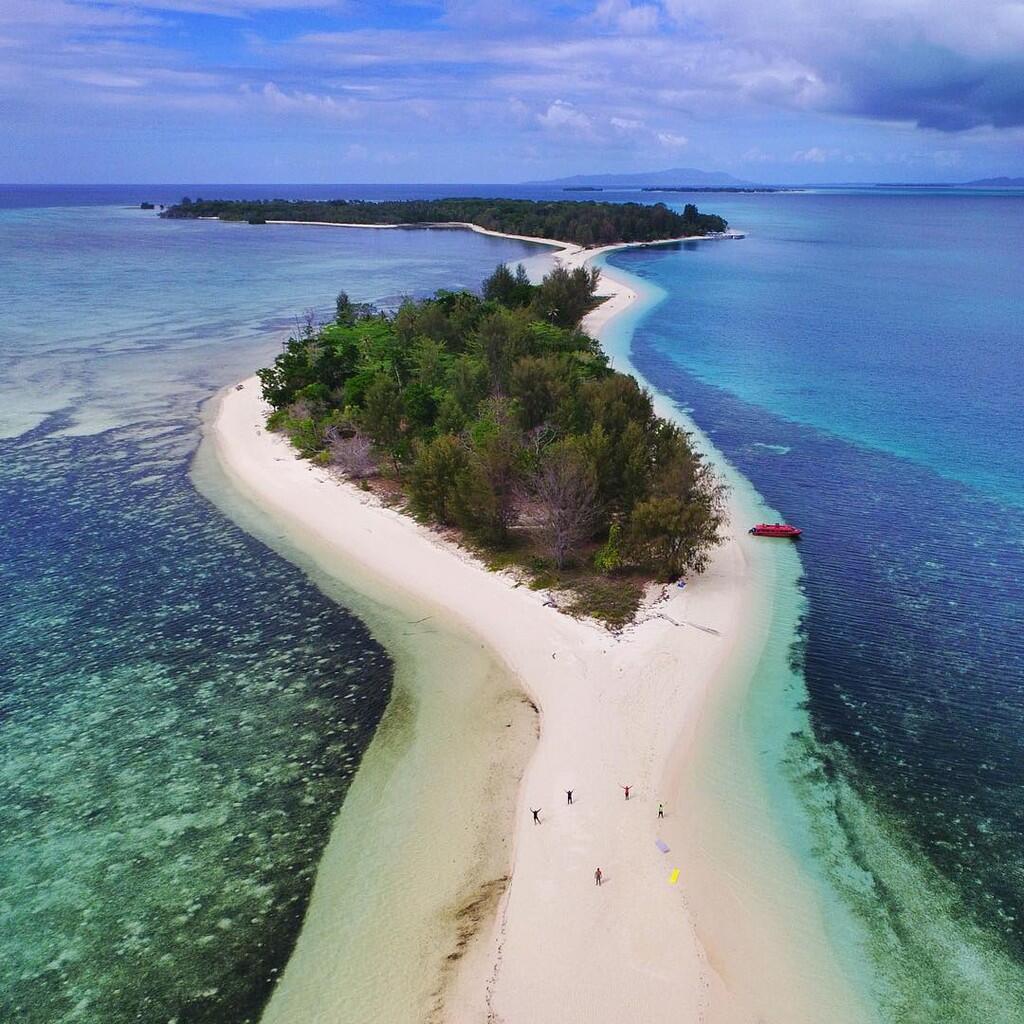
(673, 176)
(998, 182)
(677, 176)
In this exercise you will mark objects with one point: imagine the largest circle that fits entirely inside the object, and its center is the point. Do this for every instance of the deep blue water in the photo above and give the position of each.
(37, 196)
(891, 320)
(181, 710)
(858, 358)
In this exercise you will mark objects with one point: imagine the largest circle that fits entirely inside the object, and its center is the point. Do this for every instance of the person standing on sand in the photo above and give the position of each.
(597, 877)
(568, 796)
(626, 789)
(536, 816)
(661, 810)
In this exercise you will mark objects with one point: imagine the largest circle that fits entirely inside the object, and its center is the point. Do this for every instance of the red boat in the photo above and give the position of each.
(775, 530)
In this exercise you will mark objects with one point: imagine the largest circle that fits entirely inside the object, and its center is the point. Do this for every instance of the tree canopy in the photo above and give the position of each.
(499, 416)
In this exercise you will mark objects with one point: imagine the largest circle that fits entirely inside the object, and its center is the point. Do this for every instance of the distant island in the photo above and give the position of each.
(583, 223)
(1002, 182)
(498, 417)
(715, 188)
(672, 176)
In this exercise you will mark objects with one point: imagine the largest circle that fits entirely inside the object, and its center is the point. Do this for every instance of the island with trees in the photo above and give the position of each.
(497, 418)
(584, 223)
(739, 189)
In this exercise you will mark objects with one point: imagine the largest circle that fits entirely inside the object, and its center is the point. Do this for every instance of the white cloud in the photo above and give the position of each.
(281, 102)
(564, 117)
(672, 140)
(946, 64)
(626, 124)
(624, 17)
(105, 79)
(225, 8)
(713, 76)
(814, 155)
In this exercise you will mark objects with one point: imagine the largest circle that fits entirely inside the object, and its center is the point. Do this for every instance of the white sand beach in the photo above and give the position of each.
(547, 943)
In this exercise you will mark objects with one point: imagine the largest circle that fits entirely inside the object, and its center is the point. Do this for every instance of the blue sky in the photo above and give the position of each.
(352, 91)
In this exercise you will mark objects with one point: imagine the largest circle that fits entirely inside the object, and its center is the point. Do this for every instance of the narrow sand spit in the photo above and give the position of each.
(614, 711)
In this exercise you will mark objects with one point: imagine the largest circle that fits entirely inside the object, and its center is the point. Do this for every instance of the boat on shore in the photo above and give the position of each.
(775, 530)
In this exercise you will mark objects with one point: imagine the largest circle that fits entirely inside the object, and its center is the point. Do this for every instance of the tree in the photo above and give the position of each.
(500, 286)
(301, 424)
(501, 338)
(630, 466)
(565, 490)
(682, 472)
(381, 415)
(608, 557)
(615, 401)
(309, 326)
(564, 297)
(671, 536)
(468, 384)
(511, 290)
(290, 373)
(429, 362)
(524, 289)
(435, 477)
(538, 384)
(420, 406)
(450, 417)
(347, 312)
(351, 453)
(487, 492)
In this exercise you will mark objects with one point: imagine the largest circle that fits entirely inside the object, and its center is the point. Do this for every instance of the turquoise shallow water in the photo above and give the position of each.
(868, 383)
(112, 315)
(181, 711)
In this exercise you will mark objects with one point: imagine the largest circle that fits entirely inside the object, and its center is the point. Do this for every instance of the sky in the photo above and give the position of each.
(784, 91)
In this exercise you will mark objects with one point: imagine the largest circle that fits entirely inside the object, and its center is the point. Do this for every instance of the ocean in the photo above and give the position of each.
(858, 359)
(182, 709)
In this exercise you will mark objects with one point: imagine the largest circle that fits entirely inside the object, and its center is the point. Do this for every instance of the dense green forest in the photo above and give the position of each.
(496, 415)
(585, 223)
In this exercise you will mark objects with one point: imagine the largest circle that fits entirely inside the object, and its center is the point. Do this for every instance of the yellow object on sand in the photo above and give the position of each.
(674, 877)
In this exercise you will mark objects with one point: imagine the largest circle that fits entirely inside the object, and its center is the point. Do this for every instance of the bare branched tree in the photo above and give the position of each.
(565, 490)
(301, 409)
(307, 330)
(539, 438)
(351, 454)
(308, 325)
